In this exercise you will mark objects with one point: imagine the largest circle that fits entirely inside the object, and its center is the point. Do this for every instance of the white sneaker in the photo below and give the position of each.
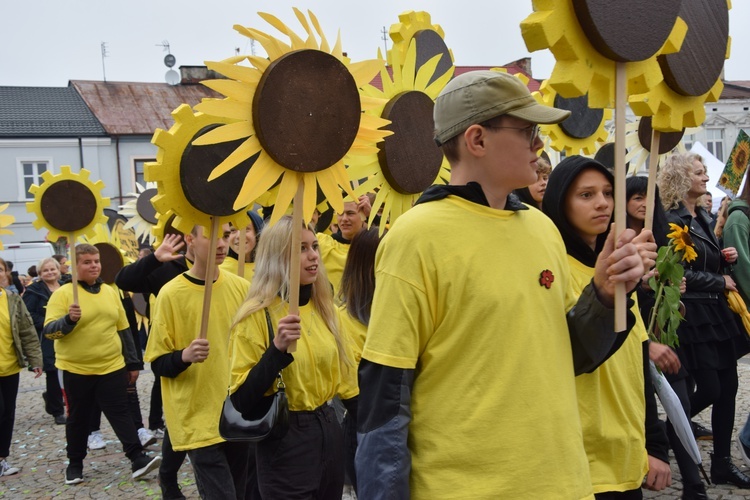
(158, 433)
(96, 441)
(6, 469)
(147, 439)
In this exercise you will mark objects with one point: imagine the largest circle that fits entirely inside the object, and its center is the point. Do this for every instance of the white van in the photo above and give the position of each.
(25, 255)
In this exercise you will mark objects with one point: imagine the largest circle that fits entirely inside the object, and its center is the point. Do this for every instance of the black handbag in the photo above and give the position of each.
(271, 425)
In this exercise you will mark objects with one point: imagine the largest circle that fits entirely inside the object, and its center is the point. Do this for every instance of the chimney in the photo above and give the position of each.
(193, 75)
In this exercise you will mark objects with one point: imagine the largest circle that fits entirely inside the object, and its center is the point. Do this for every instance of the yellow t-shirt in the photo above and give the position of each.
(354, 331)
(193, 399)
(8, 359)
(93, 347)
(230, 265)
(314, 377)
(333, 254)
(612, 407)
(459, 300)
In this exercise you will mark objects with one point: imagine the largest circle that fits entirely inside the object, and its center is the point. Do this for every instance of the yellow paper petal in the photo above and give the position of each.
(239, 91)
(226, 133)
(224, 108)
(259, 179)
(234, 71)
(244, 151)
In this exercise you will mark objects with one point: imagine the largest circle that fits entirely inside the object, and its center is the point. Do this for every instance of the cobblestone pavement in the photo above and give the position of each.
(38, 448)
(722, 492)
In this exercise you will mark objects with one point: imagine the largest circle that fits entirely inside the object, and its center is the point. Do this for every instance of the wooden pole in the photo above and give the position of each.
(241, 252)
(620, 202)
(294, 262)
(653, 165)
(208, 289)
(73, 266)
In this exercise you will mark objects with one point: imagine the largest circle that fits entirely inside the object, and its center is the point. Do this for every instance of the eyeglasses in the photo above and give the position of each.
(531, 130)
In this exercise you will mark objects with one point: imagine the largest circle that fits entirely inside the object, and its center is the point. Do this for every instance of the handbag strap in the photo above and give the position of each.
(280, 384)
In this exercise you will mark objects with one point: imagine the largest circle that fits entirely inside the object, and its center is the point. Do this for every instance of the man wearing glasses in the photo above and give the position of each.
(467, 375)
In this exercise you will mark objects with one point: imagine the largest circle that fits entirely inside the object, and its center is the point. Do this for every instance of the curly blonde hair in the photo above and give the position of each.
(674, 179)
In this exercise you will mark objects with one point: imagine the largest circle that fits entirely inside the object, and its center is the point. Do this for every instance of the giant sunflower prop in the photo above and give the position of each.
(164, 226)
(5, 221)
(182, 171)
(581, 68)
(580, 133)
(638, 144)
(141, 213)
(678, 100)
(409, 161)
(299, 112)
(68, 203)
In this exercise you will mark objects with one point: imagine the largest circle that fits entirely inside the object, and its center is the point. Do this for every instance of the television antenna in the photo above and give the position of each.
(171, 77)
(384, 32)
(104, 54)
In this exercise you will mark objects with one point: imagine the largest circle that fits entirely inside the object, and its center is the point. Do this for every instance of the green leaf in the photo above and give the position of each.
(662, 316)
(679, 274)
(653, 283)
(672, 297)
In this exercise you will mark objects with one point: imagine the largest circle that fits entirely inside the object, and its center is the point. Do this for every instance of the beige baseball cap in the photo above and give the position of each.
(477, 96)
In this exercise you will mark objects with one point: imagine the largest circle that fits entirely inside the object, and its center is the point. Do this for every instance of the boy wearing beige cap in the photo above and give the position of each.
(467, 375)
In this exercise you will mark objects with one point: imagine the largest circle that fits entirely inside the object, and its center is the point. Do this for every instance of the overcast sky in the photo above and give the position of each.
(48, 42)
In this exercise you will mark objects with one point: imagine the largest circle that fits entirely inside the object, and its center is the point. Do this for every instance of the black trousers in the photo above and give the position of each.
(717, 388)
(109, 392)
(620, 495)
(8, 394)
(53, 403)
(308, 462)
(171, 461)
(134, 408)
(220, 470)
(155, 420)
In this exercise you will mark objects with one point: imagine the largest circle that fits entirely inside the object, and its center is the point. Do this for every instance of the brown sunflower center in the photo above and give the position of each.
(667, 140)
(215, 197)
(111, 260)
(306, 110)
(68, 205)
(144, 207)
(587, 120)
(627, 31)
(409, 158)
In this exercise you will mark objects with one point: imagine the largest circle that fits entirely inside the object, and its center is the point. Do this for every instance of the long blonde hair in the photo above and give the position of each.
(271, 280)
(674, 180)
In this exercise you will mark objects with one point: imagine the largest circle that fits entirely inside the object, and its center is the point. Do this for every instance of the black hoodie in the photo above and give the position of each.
(553, 205)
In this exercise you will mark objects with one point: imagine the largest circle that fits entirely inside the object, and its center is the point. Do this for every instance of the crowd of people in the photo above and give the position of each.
(434, 359)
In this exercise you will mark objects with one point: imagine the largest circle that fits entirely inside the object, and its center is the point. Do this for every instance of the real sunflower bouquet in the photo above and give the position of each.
(666, 316)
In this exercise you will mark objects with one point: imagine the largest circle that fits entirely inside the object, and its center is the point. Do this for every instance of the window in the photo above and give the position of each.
(31, 173)
(138, 164)
(688, 141)
(715, 142)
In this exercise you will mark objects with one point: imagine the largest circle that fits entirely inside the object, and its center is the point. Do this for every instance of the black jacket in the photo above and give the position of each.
(704, 275)
(36, 297)
(554, 206)
(148, 275)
